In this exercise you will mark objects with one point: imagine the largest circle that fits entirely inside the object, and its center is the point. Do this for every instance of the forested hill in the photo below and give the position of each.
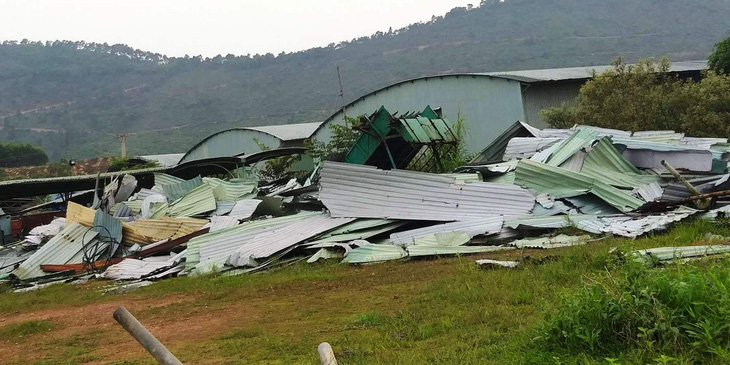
(73, 97)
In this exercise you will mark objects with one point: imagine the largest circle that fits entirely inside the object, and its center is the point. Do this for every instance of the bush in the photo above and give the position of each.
(21, 154)
(646, 97)
(680, 309)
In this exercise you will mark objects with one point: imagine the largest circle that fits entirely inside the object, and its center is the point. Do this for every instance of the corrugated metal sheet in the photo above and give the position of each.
(492, 225)
(627, 227)
(80, 214)
(420, 251)
(223, 207)
(650, 192)
(558, 207)
(230, 190)
(659, 136)
(269, 243)
(549, 222)
(108, 226)
(178, 190)
(362, 234)
(526, 147)
(563, 183)
(670, 253)
(218, 223)
(244, 208)
(591, 204)
(374, 253)
(558, 241)
(604, 132)
(703, 143)
(574, 163)
(198, 201)
(366, 192)
(133, 269)
(162, 179)
(58, 251)
(146, 231)
(571, 145)
(606, 164)
(644, 154)
(212, 249)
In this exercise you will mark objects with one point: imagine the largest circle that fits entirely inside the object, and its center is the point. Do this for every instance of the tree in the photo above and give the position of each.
(719, 60)
(646, 97)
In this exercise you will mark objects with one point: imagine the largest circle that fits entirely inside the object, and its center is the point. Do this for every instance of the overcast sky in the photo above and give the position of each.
(211, 27)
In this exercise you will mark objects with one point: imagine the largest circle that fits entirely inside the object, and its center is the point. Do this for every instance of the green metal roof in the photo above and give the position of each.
(564, 183)
(381, 129)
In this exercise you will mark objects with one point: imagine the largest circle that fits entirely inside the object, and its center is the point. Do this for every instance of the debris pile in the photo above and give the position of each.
(525, 185)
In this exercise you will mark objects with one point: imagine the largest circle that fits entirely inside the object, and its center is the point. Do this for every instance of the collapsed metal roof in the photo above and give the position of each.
(367, 192)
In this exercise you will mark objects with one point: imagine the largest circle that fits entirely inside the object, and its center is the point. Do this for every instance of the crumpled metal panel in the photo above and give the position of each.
(230, 190)
(146, 231)
(218, 223)
(212, 249)
(526, 147)
(198, 201)
(178, 190)
(60, 250)
(659, 136)
(628, 227)
(591, 204)
(108, 226)
(492, 225)
(244, 209)
(162, 179)
(133, 269)
(358, 191)
(670, 253)
(422, 250)
(650, 192)
(571, 145)
(269, 243)
(606, 164)
(558, 241)
(563, 183)
(374, 253)
(362, 234)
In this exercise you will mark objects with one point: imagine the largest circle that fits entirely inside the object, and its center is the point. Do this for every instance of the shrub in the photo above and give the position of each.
(646, 96)
(680, 309)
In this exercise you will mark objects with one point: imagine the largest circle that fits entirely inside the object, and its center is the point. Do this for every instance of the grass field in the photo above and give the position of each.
(444, 311)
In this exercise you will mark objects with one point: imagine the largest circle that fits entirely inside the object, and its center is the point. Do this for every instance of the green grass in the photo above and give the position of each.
(441, 311)
(23, 329)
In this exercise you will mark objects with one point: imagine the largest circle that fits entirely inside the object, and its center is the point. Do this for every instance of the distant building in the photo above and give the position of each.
(488, 103)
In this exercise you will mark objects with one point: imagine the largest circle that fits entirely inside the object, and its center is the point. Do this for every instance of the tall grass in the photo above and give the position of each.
(680, 310)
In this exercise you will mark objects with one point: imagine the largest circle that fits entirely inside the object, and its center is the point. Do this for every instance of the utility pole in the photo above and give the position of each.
(123, 140)
(342, 93)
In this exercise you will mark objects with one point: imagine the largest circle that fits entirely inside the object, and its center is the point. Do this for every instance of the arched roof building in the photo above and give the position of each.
(237, 141)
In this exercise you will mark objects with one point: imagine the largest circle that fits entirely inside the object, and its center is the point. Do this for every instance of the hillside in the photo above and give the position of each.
(73, 97)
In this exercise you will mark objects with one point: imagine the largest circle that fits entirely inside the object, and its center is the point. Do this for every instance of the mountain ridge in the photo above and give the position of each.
(101, 90)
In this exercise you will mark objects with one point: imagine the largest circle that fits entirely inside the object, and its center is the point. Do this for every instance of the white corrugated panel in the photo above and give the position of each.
(525, 147)
(491, 225)
(218, 223)
(269, 243)
(358, 191)
(213, 249)
(244, 208)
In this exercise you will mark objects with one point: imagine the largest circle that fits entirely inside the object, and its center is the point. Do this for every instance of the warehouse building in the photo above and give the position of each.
(489, 103)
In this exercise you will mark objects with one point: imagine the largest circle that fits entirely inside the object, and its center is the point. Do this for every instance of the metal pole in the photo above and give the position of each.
(144, 337)
(702, 204)
(326, 355)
